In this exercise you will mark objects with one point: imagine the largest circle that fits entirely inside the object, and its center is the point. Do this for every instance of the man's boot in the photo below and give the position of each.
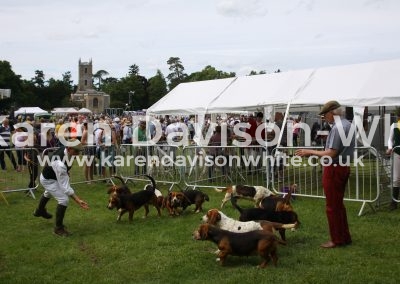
(393, 204)
(60, 229)
(41, 210)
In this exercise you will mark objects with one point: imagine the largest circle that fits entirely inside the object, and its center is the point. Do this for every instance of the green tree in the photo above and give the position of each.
(133, 70)
(209, 73)
(39, 79)
(55, 93)
(252, 72)
(119, 89)
(99, 77)
(157, 88)
(9, 80)
(177, 75)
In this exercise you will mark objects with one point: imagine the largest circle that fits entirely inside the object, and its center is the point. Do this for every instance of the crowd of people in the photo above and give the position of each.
(125, 129)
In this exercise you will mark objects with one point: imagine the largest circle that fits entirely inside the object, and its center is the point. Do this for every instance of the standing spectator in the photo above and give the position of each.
(19, 139)
(394, 146)
(256, 151)
(278, 120)
(127, 133)
(314, 133)
(5, 133)
(73, 128)
(215, 151)
(139, 135)
(105, 137)
(335, 174)
(117, 127)
(296, 131)
(190, 125)
(88, 151)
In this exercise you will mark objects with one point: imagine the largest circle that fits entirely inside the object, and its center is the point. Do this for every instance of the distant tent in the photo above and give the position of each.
(63, 110)
(28, 111)
(84, 110)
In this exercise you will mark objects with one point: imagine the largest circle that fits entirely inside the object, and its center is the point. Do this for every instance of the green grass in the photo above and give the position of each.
(161, 250)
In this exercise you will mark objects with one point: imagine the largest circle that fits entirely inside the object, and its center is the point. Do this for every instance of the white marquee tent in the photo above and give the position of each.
(63, 110)
(28, 110)
(368, 84)
(84, 110)
(190, 98)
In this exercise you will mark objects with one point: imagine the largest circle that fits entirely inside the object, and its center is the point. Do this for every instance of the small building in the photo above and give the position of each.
(86, 96)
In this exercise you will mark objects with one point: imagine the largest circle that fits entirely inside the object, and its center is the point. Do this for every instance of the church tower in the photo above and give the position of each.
(85, 75)
(86, 96)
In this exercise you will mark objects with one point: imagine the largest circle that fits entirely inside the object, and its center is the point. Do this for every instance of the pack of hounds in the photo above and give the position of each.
(253, 233)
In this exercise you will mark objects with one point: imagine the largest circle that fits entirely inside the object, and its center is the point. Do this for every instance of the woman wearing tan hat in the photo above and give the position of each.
(337, 157)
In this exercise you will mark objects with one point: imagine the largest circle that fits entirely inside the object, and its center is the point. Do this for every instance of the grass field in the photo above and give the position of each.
(161, 250)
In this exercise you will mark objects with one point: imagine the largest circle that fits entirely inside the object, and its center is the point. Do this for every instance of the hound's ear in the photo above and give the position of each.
(288, 196)
(180, 195)
(214, 218)
(204, 231)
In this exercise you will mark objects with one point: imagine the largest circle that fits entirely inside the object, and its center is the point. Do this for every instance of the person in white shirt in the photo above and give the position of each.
(55, 180)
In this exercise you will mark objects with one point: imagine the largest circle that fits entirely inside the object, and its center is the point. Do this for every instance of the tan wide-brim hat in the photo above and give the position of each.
(331, 105)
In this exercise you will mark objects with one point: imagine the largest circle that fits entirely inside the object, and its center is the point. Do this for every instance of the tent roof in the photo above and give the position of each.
(255, 92)
(368, 84)
(23, 110)
(190, 98)
(61, 110)
(84, 110)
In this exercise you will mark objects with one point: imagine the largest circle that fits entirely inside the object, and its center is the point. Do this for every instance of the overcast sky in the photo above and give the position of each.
(230, 35)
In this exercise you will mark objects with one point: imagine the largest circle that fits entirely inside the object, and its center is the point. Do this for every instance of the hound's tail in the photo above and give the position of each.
(121, 179)
(153, 182)
(288, 197)
(219, 189)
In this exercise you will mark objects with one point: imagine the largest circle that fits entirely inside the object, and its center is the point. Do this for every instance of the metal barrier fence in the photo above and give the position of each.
(159, 161)
(220, 166)
(19, 171)
(214, 166)
(279, 174)
(364, 183)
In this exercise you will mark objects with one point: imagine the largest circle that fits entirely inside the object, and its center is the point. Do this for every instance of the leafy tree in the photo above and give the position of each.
(67, 78)
(29, 97)
(157, 88)
(9, 80)
(209, 73)
(133, 70)
(177, 76)
(39, 79)
(55, 93)
(99, 76)
(252, 72)
(110, 80)
(119, 90)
